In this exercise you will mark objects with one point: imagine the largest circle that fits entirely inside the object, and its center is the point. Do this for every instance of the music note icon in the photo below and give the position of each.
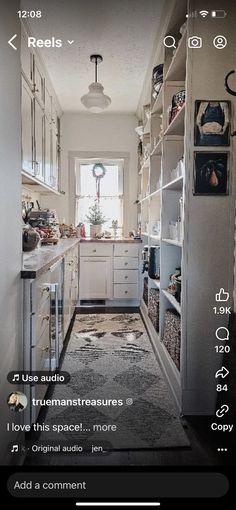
(16, 378)
(15, 448)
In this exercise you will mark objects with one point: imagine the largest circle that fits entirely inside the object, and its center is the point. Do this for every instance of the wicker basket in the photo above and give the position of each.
(145, 290)
(172, 335)
(153, 307)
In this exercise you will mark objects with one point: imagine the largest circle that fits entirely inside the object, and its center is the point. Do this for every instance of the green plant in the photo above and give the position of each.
(95, 215)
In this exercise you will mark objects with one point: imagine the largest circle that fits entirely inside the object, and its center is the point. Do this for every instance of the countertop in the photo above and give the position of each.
(111, 240)
(37, 262)
(40, 260)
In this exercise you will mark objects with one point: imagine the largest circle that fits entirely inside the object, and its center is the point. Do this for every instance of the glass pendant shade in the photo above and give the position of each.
(95, 100)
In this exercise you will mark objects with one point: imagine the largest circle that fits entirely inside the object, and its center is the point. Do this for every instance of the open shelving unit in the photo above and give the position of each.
(166, 190)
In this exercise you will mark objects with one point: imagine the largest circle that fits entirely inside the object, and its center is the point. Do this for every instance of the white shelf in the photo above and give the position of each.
(176, 127)
(158, 105)
(173, 242)
(177, 69)
(175, 185)
(155, 237)
(157, 149)
(155, 283)
(144, 234)
(172, 300)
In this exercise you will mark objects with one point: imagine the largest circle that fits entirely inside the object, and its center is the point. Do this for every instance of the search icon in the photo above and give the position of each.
(169, 41)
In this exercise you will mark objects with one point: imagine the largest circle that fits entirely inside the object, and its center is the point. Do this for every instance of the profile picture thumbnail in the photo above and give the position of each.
(17, 401)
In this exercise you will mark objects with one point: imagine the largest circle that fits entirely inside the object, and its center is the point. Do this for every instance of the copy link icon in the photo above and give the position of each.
(222, 296)
(222, 411)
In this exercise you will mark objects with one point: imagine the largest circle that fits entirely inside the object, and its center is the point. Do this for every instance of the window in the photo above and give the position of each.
(111, 192)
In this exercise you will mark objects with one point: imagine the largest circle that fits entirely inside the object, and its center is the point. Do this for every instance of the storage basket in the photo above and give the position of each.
(145, 290)
(172, 335)
(153, 307)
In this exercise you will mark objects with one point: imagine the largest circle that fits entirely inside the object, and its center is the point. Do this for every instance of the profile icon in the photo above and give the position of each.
(17, 401)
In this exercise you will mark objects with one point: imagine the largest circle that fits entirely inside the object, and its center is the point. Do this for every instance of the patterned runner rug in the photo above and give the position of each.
(110, 357)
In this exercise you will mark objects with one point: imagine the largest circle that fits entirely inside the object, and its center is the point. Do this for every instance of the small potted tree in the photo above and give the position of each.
(96, 219)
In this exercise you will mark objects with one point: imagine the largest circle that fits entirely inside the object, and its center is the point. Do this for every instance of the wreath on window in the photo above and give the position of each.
(99, 172)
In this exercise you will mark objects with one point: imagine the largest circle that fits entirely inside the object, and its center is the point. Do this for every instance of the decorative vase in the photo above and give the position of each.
(30, 238)
(95, 230)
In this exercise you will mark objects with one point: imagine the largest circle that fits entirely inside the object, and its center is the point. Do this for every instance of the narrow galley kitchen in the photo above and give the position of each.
(113, 360)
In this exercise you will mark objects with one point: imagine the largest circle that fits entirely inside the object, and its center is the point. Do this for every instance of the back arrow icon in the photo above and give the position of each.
(10, 42)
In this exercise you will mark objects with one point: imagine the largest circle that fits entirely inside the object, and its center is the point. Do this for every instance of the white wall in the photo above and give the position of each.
(10, 216)
(101, 133)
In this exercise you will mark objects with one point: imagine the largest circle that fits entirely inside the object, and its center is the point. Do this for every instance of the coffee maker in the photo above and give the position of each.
(154, 262)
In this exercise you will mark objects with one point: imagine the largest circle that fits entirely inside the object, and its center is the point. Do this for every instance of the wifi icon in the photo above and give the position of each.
(204, 13)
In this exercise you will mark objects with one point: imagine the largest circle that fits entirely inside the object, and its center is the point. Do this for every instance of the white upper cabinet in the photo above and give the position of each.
(26, 61)
(54, 160)
(54, 117)
(38, 140)
(48, 104)
(47, 152)
(27, 128)
(40, 119)
(38, 81)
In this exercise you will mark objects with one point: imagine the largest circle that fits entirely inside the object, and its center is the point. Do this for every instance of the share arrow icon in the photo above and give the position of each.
(223, 372)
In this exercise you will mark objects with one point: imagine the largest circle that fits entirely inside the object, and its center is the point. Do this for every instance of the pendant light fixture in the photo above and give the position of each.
(95, 100)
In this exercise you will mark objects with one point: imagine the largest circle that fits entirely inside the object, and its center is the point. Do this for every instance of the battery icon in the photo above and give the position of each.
(218, 14)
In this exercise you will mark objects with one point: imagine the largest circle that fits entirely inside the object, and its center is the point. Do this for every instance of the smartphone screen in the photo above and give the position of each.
(117, 206)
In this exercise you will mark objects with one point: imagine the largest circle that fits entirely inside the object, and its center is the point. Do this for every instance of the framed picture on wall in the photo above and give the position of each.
(212, 123)
(211, 173)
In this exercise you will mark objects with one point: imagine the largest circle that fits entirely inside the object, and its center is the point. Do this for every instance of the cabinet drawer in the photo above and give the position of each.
(42, 319)
(96, 249)
(123, 291)
(41, 352)
(42, 289)
(122, 276)
(126, 250)
(125, 262)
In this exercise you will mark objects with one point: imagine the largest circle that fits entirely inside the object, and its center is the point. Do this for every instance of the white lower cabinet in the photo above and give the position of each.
(126, 291)
(109, 271)
(95, 278)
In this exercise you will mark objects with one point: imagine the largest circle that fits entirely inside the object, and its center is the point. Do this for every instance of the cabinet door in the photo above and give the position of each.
(27, 128)
(38, 139)
(26, 61)
(54, 117)
(54, 160)
(48, 105)
(38, 82)
(95, 278)
(47, 152)
(67, 291)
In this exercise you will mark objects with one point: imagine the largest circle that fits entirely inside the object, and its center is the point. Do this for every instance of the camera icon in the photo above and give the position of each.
(195, 42)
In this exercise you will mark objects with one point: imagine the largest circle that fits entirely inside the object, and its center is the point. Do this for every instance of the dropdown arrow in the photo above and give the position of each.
(70, 42)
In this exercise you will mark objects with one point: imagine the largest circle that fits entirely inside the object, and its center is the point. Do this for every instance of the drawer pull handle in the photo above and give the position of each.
(46, 317)
(94, 251)
(126, 277)
(126, 263)
(46, 289)
(126, 251)
(44, 349)
(126, 292)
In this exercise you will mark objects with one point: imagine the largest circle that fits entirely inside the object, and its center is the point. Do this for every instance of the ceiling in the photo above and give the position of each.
(122, 31)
